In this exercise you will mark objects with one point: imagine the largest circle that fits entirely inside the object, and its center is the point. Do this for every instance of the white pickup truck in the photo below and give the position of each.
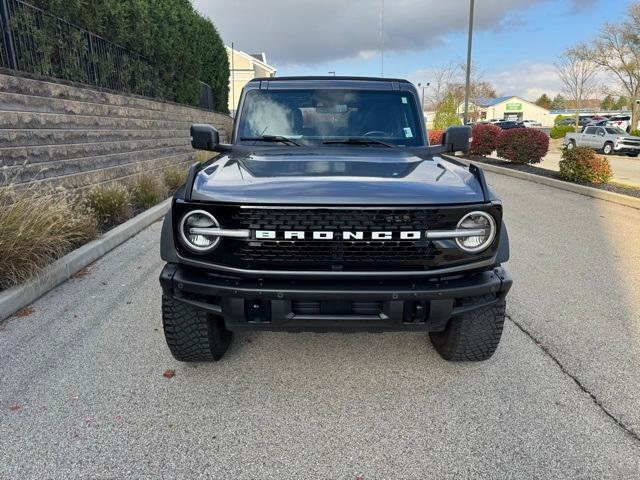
(606, 139)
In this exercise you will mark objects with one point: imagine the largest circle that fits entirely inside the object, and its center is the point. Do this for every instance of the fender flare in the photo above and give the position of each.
(503, 247)
(167, 244)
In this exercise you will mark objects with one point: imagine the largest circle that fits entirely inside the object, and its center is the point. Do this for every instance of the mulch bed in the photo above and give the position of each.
(632, 192)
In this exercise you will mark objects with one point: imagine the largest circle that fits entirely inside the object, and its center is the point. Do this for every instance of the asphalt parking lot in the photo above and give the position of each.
(82, 391)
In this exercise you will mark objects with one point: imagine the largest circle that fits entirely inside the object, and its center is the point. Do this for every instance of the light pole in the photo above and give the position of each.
(467, 86)
(423, 87)
(381, 38)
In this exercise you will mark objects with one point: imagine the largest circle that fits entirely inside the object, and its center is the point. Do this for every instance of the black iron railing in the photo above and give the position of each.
(35, 41)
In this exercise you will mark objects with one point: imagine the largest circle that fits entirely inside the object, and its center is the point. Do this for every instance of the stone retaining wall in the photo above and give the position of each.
(56, 135)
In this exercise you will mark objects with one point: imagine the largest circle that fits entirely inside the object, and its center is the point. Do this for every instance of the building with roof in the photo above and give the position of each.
(508, 108)
(242, 68)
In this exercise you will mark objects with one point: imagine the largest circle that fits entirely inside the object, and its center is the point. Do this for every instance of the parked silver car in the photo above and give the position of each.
(608, 140)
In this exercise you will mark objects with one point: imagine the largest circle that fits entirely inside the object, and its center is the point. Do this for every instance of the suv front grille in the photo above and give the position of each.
(318, 219)
(340, 254)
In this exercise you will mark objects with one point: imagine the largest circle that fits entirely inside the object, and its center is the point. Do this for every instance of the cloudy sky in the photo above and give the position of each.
(515, 41)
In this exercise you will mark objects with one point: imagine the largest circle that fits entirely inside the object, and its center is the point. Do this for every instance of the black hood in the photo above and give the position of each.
(353, 175)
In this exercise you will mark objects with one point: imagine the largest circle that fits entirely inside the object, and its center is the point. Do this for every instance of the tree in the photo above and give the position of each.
(577, 75)
(182, 46)
(616, 50)
(450, 78)
(607, 103)
(447, 114)
(558, 102)
(544, 101)
(442, 78)
(621, 103)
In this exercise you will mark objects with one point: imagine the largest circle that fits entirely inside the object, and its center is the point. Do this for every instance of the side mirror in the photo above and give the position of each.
(457, 138)
(204, 137)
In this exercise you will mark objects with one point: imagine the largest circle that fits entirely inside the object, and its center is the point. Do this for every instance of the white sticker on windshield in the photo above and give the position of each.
(404, 99)
(407, 132)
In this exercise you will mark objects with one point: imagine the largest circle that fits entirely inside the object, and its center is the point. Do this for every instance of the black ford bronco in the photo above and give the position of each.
(329, 211)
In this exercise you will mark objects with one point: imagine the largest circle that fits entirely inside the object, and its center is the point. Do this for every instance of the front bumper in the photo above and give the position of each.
(626, 148)
(424, 304)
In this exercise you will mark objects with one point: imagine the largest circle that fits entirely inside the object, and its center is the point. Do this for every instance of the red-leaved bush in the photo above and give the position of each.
(485, 138)
(522, 145)
(583, 165)
(435, 136)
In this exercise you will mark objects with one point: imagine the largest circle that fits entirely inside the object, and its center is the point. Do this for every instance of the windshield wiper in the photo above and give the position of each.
(359, 141)
(271, 138)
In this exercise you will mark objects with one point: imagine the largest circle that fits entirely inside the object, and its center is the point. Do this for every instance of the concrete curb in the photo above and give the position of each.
(626, 200)
(15, 298)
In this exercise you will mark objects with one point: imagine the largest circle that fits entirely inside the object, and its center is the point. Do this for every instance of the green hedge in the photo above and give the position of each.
(184, 46)
(559, 118)
(559, 131)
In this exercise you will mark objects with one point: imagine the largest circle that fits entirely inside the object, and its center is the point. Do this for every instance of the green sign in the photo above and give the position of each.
(514, 106)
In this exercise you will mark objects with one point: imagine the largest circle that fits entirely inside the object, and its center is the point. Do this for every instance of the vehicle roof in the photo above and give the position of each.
(329, 77)
(331, 82)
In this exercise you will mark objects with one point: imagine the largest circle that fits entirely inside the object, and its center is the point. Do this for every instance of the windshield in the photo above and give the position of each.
(615, 131)
(315, 116)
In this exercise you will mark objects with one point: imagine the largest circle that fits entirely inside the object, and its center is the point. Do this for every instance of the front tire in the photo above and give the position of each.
(607, 149)
(473, 336)
(193, 335)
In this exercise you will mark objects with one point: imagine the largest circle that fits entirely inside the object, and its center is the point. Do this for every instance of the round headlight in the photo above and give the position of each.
(198, 242)
(478, 221)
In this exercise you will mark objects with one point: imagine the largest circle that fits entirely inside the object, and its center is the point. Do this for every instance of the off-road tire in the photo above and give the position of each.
(604, 148)
(193, 335)
(473, 336)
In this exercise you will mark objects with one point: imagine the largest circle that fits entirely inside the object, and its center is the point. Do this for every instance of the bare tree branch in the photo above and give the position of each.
(449, 79)
(442, 78)
(578, 77)
(616, 50)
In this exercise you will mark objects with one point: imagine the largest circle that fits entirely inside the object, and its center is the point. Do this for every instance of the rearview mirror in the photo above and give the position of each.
(457, 138)
(204, 137)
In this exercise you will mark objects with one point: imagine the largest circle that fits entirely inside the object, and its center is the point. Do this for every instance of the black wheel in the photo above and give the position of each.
(193, 335)
(607, 149)
(473, 336)
(571, 145)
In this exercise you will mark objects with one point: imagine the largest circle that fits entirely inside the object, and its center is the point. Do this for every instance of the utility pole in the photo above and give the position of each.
(423, 87)
(382, 38)
(233, 82)
(467, 86)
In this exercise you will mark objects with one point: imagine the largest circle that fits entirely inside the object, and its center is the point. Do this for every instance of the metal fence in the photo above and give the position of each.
(35, 41)
(207, 100)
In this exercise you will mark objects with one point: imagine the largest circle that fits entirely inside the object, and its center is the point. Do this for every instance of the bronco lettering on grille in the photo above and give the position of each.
(337, 235)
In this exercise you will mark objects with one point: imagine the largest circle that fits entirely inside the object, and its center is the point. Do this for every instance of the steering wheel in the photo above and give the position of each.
(376, 132)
